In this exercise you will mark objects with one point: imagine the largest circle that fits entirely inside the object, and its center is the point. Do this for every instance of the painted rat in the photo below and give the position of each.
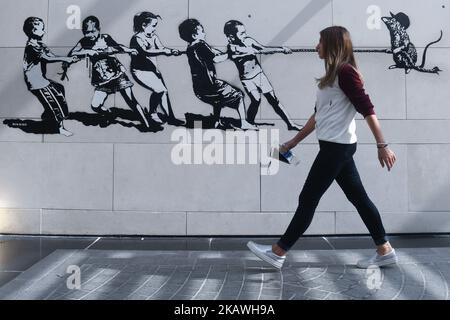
(404, 51)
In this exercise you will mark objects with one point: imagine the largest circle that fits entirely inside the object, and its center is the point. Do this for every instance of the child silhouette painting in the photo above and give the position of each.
(243, 50)
(108, 74)
(49, 93)
(202, 59)
(143, 66)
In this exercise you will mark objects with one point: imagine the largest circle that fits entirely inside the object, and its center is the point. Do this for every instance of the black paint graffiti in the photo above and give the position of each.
(403, 50)
(108, 75)
(207, 87)
(242, 50)
(143, 66)
(49, 93)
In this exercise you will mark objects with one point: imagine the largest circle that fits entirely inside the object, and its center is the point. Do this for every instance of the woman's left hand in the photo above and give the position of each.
(387, 158)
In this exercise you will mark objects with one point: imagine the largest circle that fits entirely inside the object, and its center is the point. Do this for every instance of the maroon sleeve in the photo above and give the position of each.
(350, 82)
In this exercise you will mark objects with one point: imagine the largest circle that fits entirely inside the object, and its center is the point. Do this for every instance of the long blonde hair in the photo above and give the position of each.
(337, 50)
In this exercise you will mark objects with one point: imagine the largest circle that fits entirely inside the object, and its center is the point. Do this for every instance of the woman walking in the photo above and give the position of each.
(340, 96)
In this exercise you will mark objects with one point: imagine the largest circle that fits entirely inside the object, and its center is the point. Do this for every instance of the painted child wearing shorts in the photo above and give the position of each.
(108, 74)
(143, 66)
(202, 59)
(242, 50)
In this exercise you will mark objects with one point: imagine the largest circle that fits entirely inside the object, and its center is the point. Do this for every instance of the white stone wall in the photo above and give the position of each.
(120, 181)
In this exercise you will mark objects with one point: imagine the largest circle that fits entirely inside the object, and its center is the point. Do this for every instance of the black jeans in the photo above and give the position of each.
(334, 162)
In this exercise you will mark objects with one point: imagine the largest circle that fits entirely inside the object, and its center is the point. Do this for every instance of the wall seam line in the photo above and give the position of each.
(48, 19)
(406, 96)
(40, 220)
(408, 205)
(335, 222)
(332, 12)
(113, 175)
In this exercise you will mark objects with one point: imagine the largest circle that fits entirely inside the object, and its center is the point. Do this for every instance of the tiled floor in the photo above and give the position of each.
(204, 268)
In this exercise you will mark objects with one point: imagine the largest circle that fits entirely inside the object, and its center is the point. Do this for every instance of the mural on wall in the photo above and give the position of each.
(109, 76)
(143, 67)
(50, 94)
(207, 87)
(403, 50)
(242, 50)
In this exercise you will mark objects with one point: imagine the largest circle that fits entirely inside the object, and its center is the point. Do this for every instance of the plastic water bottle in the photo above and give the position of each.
(288, 157)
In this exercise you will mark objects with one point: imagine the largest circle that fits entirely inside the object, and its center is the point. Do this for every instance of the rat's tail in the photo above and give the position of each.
(435, 70)
(426, 48)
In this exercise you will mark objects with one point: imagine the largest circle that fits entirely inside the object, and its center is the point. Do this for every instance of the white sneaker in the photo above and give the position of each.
(378, 261)
(265, 253)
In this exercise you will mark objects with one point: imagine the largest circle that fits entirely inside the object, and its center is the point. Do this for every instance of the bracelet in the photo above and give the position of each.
(382, 145)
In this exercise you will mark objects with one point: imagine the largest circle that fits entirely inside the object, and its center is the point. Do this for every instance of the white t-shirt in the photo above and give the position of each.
(34, 66)
(335, 116)
(336, 107)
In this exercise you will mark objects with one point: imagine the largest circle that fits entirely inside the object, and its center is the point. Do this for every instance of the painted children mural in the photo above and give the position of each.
(108, 74)
(143, 66)
(243, 50)
(207, 87)
(50, 94)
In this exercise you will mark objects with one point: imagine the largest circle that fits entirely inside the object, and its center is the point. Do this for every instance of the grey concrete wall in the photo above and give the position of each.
(117, 180)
